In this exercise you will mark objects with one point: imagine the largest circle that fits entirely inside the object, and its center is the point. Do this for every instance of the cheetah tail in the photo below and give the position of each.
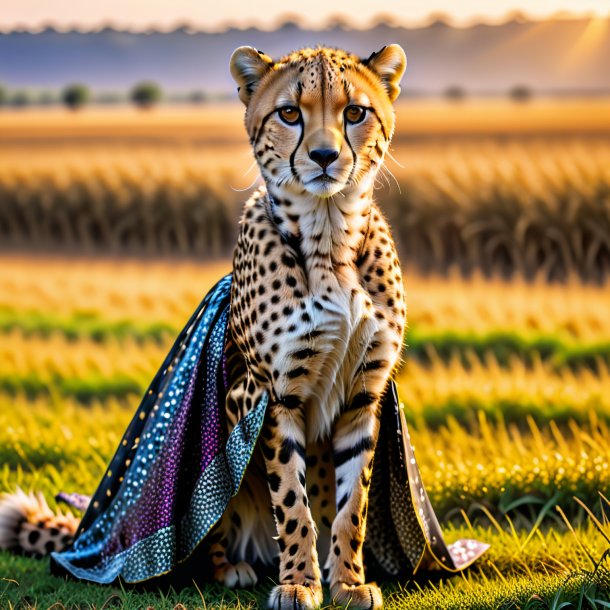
(28, 526)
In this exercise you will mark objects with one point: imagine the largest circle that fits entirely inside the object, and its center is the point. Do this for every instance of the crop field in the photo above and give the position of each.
(114, 225)
(477, 187)
(535, 208)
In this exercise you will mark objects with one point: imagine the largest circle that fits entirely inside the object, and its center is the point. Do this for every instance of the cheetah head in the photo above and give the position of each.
(319, 120)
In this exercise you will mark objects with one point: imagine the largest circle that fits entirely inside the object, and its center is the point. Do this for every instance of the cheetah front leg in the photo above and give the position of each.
(283, 447)
(354, 440)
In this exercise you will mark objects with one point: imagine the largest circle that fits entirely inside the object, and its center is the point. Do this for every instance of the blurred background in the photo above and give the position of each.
(121, 133)
(123, 167)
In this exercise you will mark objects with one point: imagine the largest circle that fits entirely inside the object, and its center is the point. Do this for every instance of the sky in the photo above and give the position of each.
(214, 14)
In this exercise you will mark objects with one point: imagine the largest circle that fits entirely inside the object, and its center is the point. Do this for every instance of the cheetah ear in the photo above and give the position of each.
(248, 66)
(389, 64)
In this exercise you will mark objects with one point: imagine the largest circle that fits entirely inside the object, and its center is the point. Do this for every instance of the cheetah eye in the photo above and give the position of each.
(355, 114)
(289, 114)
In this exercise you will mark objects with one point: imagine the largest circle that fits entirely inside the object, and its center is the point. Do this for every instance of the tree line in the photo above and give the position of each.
(144, 94)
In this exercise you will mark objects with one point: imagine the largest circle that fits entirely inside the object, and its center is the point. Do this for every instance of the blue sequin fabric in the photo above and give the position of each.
(175, 469)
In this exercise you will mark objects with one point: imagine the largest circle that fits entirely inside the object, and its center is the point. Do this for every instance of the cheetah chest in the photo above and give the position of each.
(341, 328)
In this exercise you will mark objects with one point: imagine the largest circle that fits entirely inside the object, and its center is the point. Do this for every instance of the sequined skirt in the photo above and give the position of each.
(176, 469)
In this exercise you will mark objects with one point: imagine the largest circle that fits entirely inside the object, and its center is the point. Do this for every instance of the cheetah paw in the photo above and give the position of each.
(295, 597)
(357, 597)
(240, 575)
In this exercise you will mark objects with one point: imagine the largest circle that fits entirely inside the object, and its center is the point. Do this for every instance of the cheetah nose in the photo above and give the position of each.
(324, 156)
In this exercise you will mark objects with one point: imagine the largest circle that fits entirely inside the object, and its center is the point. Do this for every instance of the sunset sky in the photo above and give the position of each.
(209, 14)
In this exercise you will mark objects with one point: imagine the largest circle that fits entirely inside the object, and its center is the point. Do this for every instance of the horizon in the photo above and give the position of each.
(562, 53)
(293, 19)
(21, 17)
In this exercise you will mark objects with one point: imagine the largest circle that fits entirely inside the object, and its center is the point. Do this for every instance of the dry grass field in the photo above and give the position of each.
(495, 186)
(136, 290)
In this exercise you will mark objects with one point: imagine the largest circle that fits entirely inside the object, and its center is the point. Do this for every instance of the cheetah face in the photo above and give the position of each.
(319, 120)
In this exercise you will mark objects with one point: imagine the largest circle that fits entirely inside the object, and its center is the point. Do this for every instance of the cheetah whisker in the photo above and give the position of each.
(389, 171)
(252, 166)
(385, 177)
(394, 159)
(251, 185)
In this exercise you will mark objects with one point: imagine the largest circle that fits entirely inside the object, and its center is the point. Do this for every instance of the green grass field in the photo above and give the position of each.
(506, 387)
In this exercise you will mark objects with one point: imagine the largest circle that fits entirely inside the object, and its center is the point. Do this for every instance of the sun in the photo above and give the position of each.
(588, 43)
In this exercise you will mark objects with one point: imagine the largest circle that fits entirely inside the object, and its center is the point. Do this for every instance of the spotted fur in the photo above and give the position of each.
(30, 527)
(317, 313)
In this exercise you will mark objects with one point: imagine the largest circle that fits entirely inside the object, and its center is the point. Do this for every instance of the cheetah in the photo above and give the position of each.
(318, 313)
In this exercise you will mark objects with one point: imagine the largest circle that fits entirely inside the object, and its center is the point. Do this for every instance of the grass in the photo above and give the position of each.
(95, 297)
(506, 385)
(57, 365)
(515, 571)
(433, 388)
(31, 586)
(159, 291)
(433, 391)
(421, 342)
(465, 386)
(65, 446)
